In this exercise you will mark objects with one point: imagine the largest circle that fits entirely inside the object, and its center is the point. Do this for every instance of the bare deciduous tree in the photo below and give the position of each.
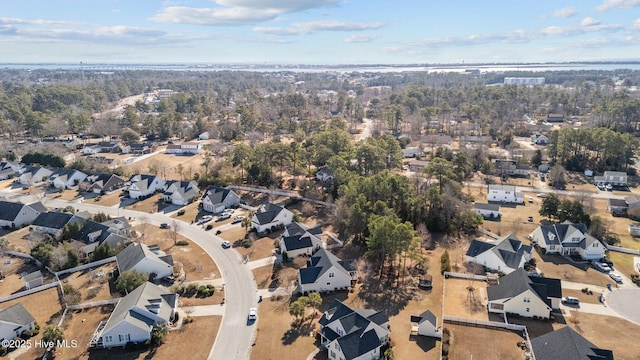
(175, 228)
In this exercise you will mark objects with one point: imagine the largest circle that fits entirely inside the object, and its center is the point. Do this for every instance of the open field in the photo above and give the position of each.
(166, 164)
(93, 283)
(469, 342)
(461, 302)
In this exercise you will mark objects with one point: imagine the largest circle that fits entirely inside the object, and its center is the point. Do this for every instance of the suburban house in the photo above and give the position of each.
(191, 147)
(412, 152)
(142, 148)
(555, 118)
(217, 198)
(62, 178)
(9, 170)
(632, 201)
(418, 165)
(566, 343)
(325, 273)
(94, 234)
(136, 316)
(353, 334)
(524, 295)
(33, 280)
(325, 175)
(14, 320)
(488, 211)
(146, 259)
(53, 222)
(297, 239)
(568, 239)
(426, 324)
(504, 194)
(617, 207)
(433, 140)
(33, 175)
(269, 216)
(14, 214)
(543, 168)
(613, 178)
(180, 192)
(103, 183)
(142, 185)
(119, 225)
(539, 139)
(505, 255)
(503, 167)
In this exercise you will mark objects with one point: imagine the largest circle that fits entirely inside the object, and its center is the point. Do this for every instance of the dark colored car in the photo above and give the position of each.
(164, 226)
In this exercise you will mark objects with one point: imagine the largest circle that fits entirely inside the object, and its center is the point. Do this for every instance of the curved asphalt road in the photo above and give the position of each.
(235, 338)
(625, 303)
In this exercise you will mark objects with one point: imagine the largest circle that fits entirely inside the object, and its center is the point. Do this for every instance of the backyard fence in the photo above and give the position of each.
(29, 292)
(86, 266)
(289, 194)
(622, 250)
(448, 274)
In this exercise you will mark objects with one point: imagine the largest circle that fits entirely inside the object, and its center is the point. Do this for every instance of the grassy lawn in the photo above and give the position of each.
(460, 302)
(108, 199)
(480, 343)
(79, 325)
(622, 263)
(190, 212)
(555, 266)
(18, 242)
(260, 248)
(584, 298)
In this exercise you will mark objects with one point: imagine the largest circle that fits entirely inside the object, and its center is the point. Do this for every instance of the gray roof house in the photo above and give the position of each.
(505, 255)
(94, 234)
(270, 215)
(34, 175)
(568, 239)
(15, 214)
(216, 199)
(146, 259)
(297, 239)
(325, 272)
(142, 185)
(567, 344)
(180, 192)
(103, 183)
(426, 324)
(353, 334)
(33, 280)
(14, 320)
(53, 222)
(529, 296)
(63, 178)
(136, 315)
(488, 211)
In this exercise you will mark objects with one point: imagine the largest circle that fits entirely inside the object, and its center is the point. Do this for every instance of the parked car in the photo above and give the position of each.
(181, 212)
(226, 244)
(615, 277)
(164, 226)
(570, 300)
(205, 219)
(604, 267)
(530, 199)
(253, 314)
(223, 216)
(228, 211)
(542, 195)
(237, 219)
(530, 219)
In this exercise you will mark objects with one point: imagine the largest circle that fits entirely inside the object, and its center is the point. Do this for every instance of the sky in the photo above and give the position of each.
(318, 31)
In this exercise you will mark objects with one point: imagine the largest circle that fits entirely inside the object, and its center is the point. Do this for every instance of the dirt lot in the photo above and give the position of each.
(166, 164)
(480, 343)
(460, 302)
(93, 283)
(12, 269)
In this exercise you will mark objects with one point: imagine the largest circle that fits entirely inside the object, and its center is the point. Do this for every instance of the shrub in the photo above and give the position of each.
(209, 227)
(191, 290)
(218, 232)
(182, 243)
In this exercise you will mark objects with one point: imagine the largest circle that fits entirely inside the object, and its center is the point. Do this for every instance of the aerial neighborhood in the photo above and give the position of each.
(319, 215)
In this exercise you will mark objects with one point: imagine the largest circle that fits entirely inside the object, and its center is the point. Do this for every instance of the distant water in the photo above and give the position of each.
(489, 68)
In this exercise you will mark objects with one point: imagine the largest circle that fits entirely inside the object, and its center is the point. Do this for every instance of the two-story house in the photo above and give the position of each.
(528, 296)
(217, 198)
(613, 178)
(191, 147)
(180, 192)
(103, 183)
(142, 185)
(297, 239)
(325, 272)
(568, 239)
(504, 194)
(270, 216)
(63, 178)
(505, 255)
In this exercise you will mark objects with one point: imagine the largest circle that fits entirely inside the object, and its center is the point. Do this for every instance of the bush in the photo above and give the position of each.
(445, 265)
(182, 243)
(209, 227)
(218, 232)
(191, 290)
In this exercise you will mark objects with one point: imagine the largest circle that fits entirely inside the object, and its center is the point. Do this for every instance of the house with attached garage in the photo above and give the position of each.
(613, 178)
(53, 222)
(269, 216)
(15, 320)
(617, 207)
(488, 211)
(33, 175)
(426, 324)
(325, 272)
(142, 185)
(504, 194)
(180, 192)
(136, 316)
(297, 239)
(217, 198)
(505, 255)
(62, 178)
(350, 334)
(146, 259)
(524, 295)
(15, 215)
(103, 183)
(568, 239)
(566, 343)
(10, 170)
(93, 235)
(539, 139)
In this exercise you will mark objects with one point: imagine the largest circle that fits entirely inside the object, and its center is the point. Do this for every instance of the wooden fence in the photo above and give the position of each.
(448, 274)
(86, 266)
(29, 292)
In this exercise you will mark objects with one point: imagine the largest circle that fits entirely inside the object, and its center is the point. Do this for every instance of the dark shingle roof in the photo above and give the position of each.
(38, 206)
(297, 242)
(16, 314)
(519, 281)
(425, 316)
(131, 255)
(477, 247)
(267, 213)
(490, 207)
(53, 220)
(319, 264)
(567, 344)
(10, 210)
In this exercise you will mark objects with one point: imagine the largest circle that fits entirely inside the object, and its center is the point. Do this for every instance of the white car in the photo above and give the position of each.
(206, 218)
(615, 277)
(604, 267)
(226, 244)
(237, 219)
(253, 313)
(542, 195)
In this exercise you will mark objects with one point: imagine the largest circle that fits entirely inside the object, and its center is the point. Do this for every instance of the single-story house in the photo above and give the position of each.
(180, 192)
(142, 185)
(632, 201)
(33, 280)
(566, 343)
(505, 194)
(543, 168)
(9, 170)
(34, 175)
(613, 178)
(353, 334)
(62, 178)
(103, 183)
(555, 117)
(15, 320)
(524, 295)
(412, 152)
(94, 235)
(568, 239)
(510, 167)
(506, 254)
(325, 272)
(146, 259)
(426, 324)
(53, 222)
(297, 239)
(136, 316)
(140, 148)
(14, 214)
(269, 216)
(418, 165)
(216, 199)
(617, 207)
(488, 211)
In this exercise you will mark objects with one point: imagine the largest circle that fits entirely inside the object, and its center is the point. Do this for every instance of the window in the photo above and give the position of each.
(527, 310)
(331, 274)
(333, 354)
(108, 339)
(125, 337)
(527, 300)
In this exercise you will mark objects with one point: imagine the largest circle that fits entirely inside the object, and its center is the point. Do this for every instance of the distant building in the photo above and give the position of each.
(531, 81)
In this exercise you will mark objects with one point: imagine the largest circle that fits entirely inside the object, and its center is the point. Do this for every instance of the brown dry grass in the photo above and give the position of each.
(590, 299)
(79, 325)
(149, 205)
(606, 332)
(93, 283)
(12, 281)
(18, 242)
(108, 199)
(260, 248)
(480, 343)
(555, 266)
(460, 302)
(166, 165)
(263, 276)
(216, 299)
(190, 212)
(233, 234)
(42, 305)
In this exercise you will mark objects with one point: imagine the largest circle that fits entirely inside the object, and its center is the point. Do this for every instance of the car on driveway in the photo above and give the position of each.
(542, 195)
(615, 277)
(237, 219)
(226, 244)
(224, 216)
(570, 300)
(604, 267)
(253, 314)
(205, 219)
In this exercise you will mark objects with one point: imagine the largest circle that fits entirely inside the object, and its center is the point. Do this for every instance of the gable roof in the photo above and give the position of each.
(32, 276)
(267, 213)
(518, 282)
(483, 206)
(38, 206)
(9, 211)
(296, 228)
(567, 344)
(16, 314)
(217, 194)
(556, 234)
(321, 262)
(509, 249)
(53, 219)
(427, 316)
(131, 255)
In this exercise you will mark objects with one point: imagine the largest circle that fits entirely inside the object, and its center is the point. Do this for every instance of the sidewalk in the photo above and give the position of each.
(261, 262)
(204, 310)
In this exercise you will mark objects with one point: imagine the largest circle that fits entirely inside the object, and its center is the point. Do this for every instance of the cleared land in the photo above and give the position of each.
(461, 302)
(479, 343)
(93, 283)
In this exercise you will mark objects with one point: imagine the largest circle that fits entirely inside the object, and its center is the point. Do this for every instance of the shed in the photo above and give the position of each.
(33, 280)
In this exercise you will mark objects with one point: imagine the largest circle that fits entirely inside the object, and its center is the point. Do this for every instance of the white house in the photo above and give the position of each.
(62, 178)
(426, 324)
(325, 273)
(588, 172)
(15, 215)
(568, 239)
(504, 255)
(488, 211)
(9, 170)
(505, 194)
(180, 192)
(14, 320)
(204, 136)
(216, 199)
(136, 316)
(142, 185)
(528, 296)
(614, 178)
(297, 239)
(191, 147)
(92, 149)
(269, 216)
(539, 139)
(350, 334)
(146, 259)
(103, 183)
(34, 175)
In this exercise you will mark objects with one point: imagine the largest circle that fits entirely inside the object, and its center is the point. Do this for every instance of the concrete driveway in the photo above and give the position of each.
(625, 303)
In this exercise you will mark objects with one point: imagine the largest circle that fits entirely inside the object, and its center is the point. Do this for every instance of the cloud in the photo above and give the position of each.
(361, 38)
(316, 26)
(588, 21)
(617, 4)
(237, 12)
(17, 21)
(636, 25)
(565, 12)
